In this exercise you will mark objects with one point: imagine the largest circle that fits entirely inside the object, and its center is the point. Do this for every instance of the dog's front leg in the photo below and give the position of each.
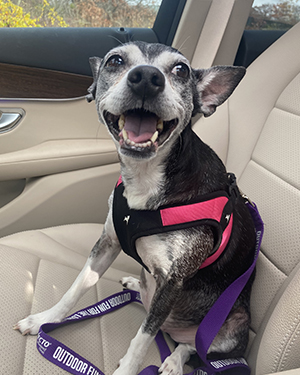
(102, 255)
(175, 362)
(165, 296)
(188, 254)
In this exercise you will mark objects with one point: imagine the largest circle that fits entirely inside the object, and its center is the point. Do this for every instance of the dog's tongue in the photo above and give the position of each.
(140, 126)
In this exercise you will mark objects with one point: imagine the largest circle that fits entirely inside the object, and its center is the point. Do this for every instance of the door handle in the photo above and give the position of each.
(8, 120)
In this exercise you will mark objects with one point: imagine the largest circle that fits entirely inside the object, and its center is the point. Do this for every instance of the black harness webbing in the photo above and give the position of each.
(132, 224)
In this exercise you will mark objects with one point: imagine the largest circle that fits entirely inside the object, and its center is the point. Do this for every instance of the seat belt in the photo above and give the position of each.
(72, 362)
(212, 33)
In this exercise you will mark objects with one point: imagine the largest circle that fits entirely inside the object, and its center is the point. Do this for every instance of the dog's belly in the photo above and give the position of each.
(184, 335)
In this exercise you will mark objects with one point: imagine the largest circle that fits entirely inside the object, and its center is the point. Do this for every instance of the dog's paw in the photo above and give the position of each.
(131, 283)
(32, 323)
(128, 365)
(125, 369)
(29, 325)
(120, 371)
(171, 366)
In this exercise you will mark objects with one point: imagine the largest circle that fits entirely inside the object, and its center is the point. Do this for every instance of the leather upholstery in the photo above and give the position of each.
(37, 268)
(263, 119)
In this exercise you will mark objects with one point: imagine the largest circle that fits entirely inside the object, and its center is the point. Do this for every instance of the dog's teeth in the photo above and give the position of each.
(121, 122)
(154, 137)
(160, 125)
(129, 142)
(125, 135)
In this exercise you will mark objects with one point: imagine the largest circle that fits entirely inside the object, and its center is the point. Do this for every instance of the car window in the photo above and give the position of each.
(268, 21)
(78, 13)
(273, 15)
(45, 54)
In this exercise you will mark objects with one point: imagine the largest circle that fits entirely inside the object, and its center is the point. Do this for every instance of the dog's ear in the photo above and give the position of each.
(95, 63)
(214, 86)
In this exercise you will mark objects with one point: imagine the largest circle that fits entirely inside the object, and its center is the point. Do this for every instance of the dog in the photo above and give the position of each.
(146, 95)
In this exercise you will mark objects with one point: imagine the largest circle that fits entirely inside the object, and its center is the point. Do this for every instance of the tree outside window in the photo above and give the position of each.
(78, 13)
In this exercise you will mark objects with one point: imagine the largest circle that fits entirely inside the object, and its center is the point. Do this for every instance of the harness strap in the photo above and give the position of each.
(70, 361)
(213, 321)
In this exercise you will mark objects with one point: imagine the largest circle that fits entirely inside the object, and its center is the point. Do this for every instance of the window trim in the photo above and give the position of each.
(167, 20)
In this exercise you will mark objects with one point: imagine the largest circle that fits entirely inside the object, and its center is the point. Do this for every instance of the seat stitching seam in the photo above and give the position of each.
(273, 264)
(54, 240)
(50, 227)
(35, 283)
(26, 345)
(284, 344)
(261, 165)
(288, 350)
(281, 108)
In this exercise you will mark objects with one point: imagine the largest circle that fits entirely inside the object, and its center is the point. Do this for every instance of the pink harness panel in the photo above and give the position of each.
(211, 209)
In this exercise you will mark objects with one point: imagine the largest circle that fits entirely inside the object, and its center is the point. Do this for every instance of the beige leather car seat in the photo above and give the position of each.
(257, 133)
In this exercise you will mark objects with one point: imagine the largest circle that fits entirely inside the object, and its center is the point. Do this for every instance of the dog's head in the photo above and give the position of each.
(146, 95)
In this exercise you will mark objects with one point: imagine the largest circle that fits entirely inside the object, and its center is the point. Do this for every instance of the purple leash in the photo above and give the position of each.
(67, 359)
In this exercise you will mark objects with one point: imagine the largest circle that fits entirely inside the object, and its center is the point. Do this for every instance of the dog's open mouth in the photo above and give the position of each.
(139, 130)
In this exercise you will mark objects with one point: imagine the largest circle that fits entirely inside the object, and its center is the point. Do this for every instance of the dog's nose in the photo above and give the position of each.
(146, 81)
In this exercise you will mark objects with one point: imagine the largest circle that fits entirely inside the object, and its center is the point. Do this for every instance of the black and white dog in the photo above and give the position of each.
(146, 94)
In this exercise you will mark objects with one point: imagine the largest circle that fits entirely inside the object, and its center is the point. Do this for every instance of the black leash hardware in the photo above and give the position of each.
(233, 189)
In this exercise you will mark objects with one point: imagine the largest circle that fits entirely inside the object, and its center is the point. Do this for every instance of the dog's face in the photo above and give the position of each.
(146, 95)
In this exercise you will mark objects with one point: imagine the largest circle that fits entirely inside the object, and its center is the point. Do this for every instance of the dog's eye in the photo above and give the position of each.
(114, 61)
(181, 70)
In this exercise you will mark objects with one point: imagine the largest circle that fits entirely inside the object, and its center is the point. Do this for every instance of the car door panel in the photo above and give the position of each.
(72, 197)
(53, 138)
(57, 157)
(46, 120)
(26, 82)
(58, 165)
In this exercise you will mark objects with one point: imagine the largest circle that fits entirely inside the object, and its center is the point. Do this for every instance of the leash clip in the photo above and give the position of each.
(233, 188)
(248, 200)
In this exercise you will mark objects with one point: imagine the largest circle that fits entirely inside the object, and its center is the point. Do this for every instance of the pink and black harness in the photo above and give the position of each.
(213, 209)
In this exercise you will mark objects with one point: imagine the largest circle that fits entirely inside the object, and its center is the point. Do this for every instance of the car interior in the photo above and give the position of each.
(58, 166)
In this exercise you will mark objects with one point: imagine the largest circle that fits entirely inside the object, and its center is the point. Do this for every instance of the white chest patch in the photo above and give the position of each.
(143, 181)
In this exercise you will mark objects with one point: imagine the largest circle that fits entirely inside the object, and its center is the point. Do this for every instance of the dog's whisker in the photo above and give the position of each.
(180, 48)
(118, 40)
